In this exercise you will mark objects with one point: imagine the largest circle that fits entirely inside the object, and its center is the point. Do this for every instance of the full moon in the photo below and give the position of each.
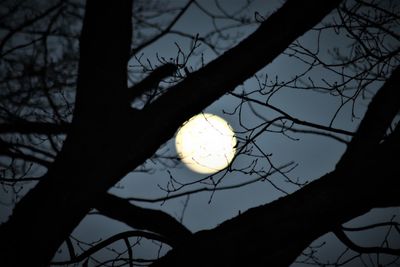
(206, 143)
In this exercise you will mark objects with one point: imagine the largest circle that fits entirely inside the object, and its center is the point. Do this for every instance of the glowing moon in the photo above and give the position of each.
(206, 143)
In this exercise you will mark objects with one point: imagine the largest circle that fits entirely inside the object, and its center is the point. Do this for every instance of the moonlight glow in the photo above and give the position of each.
(205, 143)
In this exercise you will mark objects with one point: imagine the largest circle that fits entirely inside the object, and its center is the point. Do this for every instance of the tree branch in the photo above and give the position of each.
(109, 241)
(293, 119)
(152, 81)
(140, 218)
(372, 226)
(380, 114)
(350, 244)
(27, 23)
(164, 32)
(9, 150)
(210, 188)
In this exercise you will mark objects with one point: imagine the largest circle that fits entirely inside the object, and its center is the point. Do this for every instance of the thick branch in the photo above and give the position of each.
(380, 114)
(140, 218)
(151, 82)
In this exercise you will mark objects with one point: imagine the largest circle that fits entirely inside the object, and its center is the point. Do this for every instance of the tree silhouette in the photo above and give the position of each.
(77, 125)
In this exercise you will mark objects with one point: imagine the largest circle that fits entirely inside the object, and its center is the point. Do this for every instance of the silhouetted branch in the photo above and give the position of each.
(293, 119)
(27, 23)
(320, 133)
(108, 241)
(346, 240)
(7, 149)
(210, 189)
(164, 32)
(372, 226)
(130, 254)
(152, 80)
(141, 218)
(379, 116)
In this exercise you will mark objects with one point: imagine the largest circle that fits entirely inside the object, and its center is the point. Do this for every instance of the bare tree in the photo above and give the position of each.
(73, 126)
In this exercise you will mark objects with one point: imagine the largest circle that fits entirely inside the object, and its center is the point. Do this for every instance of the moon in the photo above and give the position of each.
(206, 143)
